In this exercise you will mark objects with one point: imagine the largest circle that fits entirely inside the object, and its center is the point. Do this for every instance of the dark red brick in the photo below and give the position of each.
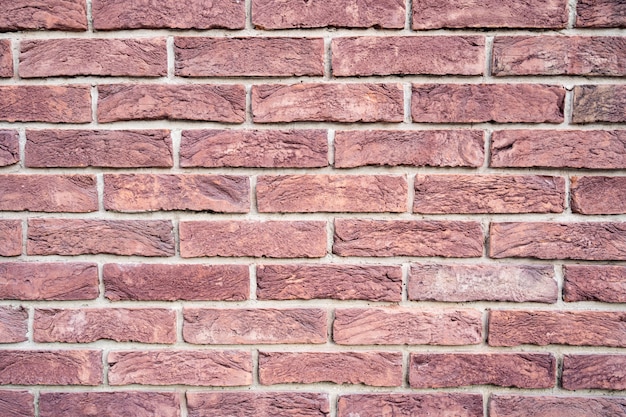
(50, 367)
(259, 404)
(43, 103)
(598, 195)
(605, 283)
(109, 404)
(601, 13)
(9, 148)
(410, 405)
(13, 325)
(6, 58)
(43, 14)
(599, 103)
(544, 406)
(10, 237)
(594, 372)
(17, 404)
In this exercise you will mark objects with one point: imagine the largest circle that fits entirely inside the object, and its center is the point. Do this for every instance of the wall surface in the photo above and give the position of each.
(342, 208)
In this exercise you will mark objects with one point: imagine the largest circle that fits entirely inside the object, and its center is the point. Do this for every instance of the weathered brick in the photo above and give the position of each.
(558, 240)
(327, 103)
(146, 325)
(406, 55)
(409, 405)
(17, 403)
(194, 192)
(368, 326)
(109, 404)
(13, 325)
(50, 367)
(254, 326)
(544, 406)
(460, 283)
(331, 193)
(158, 282)
(180, 367)
(475, 103)
(9, 148)
(340, 282)
(453, 239)
(252, 56)
(272, 239)
(605, 283)
(48, 193)
(117, 237)
(440, 148)
(10, 237)
(594, 372)
(6, 58)
(599, 103)
(43, 14)
(206, 102)
(43, 103)
(520, 370)
(260, 404)
(172, 14)
(600, 13)
(598, 195)
(379, 369)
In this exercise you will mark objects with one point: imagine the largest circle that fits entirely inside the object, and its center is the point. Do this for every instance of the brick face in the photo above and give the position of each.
(39, 103)
(43, 15)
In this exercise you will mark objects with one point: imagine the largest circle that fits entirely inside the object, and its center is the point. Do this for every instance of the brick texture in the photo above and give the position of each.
(51, 367)
(10, 237)
(6, 59)
(9, 147)
(595, 283)
(17, 403)
(535, 406)
(39, 103)
(13, 325)
(263, 404)
(43, 15)
(594, 372)
(406, 405)
(108, 404)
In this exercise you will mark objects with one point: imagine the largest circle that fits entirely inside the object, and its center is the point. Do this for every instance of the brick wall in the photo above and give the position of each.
(312, 208)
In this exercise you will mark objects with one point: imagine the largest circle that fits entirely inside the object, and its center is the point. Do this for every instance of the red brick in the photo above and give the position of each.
(48, 193)
(50, 367)
(441, 194)
(475, 103)
(327, 103)
(13, 325)
(194, 192)
(544, 406)
(117, 237)
(559, 55)
(600, 13)
(520, 370)
(158, 282)
(6, 58)
(599, 103)
(180, 367)
(558, 240)
(43, 14)
(252, 56)
(410, 405)
(9, 148)
(594, 372)
(254, 326)
(268, 14)
(43, 103)
(598, 195)
(453, 239)
(272, 239)
(17, 404)
(331, 193)
(147, 325)
(379, 369)
(109, 404)
(259, 404)
(98, 148)
(605, 283)
(432, 14)
(48, 281)
(216, 103)
(368, 326)
(576, 328)
(461, 283)
(436, 55)
(172, 14)
(10, 237)
(340, 282)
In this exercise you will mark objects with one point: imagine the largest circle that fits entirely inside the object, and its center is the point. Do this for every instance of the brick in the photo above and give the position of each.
(10, 237)
(254, 326)
(85, 325)
(168, 14)
(17, 403)
(600, 13)
(553, 406)
(409, 405)
(519, 370)
(340, 282)
(559, 55)
(368, 326)
(13, 324)
(48, 281)
(43, 103)
(346, 103)
(109, 404)
(378, 369)
(442, 194)
(215, 103)
(50, 367)
(272, 239)
(594, 372)
(260, 404)
(605, 283)
(117, 237)
(68, 15)
(432, 55)
(598, 195)
(250, 56)
(180, 367)
(599, 103)
(453, 239)
(9, 148)
(194, 192)
(462, 283)
(438, 148)
(575, 328)
(558, 240)
(475, 103)
(268, 14)
(6, 58)
(302, 148)
(432, 14)
(331, 193)
(98, 148)
(48, 193)
(158, 282)
(590, 149)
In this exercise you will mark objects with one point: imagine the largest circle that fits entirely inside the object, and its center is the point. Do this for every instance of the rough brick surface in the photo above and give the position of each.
(6, 59)
(13, 324)
(408, 405)
(598, 195)
(262, 404)
(109, 404)
(43, 14)
(17, 403)
(600, 13)
(10, 237)
(594, 372)
(50, 367)
(595, 283)
(599, 103)
(544, 406)
(9, 147)
(39, 103)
